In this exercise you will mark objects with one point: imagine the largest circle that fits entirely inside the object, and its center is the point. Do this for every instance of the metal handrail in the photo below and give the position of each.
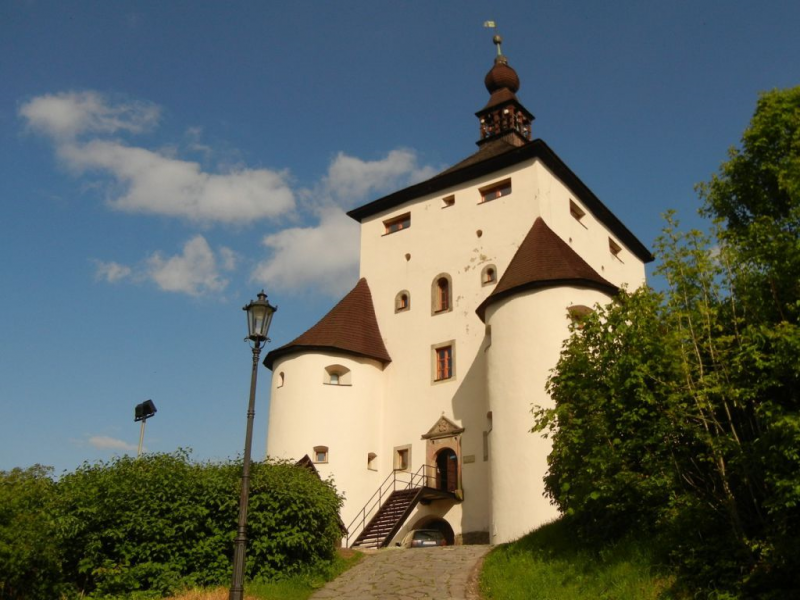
(390, 484)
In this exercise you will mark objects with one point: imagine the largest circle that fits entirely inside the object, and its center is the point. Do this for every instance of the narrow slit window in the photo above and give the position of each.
(371, 461)
(442, 294)
(402, 301)
(398, 223)
(495, 191)
(489, 275)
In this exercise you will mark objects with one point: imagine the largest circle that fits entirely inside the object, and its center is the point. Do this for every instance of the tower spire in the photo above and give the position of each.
(503, 116)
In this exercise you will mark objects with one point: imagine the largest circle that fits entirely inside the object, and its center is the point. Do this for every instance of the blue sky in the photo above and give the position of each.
(164, 161)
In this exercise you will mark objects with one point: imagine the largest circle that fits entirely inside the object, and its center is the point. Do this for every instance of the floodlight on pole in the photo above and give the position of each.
(142, 412)
(259, 318)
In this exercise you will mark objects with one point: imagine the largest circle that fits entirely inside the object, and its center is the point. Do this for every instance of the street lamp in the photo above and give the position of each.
(259, 317)
(142, 412)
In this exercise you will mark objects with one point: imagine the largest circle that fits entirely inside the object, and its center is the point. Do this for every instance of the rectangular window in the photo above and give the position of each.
(448, 201)
(398, 223)
(497, 190)
(320, 454)
(402, 458)
(444, 363)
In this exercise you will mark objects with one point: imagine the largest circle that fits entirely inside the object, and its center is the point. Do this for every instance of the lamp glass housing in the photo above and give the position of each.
(259, 317)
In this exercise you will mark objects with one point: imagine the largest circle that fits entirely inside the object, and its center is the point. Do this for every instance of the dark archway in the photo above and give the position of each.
(446, 470)
(439, 525)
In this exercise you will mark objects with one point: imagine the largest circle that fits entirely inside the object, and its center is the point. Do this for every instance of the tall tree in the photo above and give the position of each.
(681, 411)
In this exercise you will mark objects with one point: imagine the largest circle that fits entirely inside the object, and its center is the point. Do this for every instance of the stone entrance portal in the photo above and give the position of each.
(443, 456)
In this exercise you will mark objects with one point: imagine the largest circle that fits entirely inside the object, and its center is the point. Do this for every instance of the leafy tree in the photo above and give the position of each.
(29, 556)
(679, 411)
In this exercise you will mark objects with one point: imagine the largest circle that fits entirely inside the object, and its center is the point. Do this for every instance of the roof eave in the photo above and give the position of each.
(270, 359)
(607, 288)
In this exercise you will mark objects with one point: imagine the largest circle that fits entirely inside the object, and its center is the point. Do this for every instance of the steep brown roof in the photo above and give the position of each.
(544, 260)
(350, 327)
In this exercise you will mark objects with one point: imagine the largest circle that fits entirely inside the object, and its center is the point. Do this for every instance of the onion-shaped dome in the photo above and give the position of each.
(501, 76)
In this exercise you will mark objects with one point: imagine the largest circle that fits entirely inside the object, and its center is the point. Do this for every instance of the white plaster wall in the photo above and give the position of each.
(305, 413)
(401, 403)
(528, 330)
(589, 237)
(443, 240)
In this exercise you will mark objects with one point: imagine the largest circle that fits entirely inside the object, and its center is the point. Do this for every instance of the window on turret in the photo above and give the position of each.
(336, 375)
(320, 454)
(398, 223)
(448, 201)
(371, 461)
(441, 294)
(497, 190)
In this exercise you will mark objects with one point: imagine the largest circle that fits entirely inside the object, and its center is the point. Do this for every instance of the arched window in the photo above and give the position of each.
(337, 375)
(489, 275)
(402, 301)
(442, 294)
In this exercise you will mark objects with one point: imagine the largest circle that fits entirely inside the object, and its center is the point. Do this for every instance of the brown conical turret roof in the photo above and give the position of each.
(545, 260)
(350, 327)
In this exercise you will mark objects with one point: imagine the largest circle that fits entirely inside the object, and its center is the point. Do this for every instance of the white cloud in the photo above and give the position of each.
(104, 442)
(148, 181)
(324, 258)
(351, 179)
(195, 271)
(111, 271)
(69, 114)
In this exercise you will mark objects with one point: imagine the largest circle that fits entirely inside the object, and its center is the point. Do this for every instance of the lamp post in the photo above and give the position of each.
(259, 317)
(142, 412)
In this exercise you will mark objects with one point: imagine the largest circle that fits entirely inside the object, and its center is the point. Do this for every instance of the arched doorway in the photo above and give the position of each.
(446, 470)
(439, 525)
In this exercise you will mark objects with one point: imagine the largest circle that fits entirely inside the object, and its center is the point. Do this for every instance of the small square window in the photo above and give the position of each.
(448, 201)
(320, 454)
(402, 458)
(614, 248)
(495, 191)
(576, 211)
(398, 223)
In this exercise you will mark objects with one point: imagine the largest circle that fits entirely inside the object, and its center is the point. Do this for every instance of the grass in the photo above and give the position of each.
(550, 564)
(299, 587)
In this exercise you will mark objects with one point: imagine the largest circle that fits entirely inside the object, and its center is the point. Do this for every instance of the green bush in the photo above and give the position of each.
(150, 526)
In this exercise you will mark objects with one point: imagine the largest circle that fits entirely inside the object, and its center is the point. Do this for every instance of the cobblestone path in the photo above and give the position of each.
(408, 574)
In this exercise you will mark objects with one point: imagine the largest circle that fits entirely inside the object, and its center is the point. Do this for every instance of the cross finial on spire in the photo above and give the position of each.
(496, 39)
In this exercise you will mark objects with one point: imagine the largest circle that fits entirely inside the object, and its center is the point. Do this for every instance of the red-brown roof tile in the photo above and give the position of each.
(544, 260)
(350, 327)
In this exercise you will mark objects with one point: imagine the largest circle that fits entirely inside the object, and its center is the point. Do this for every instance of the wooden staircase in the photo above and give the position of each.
(388, 520)
(385, 512)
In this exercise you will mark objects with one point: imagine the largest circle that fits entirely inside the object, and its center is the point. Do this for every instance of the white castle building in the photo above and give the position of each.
(421, 380)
